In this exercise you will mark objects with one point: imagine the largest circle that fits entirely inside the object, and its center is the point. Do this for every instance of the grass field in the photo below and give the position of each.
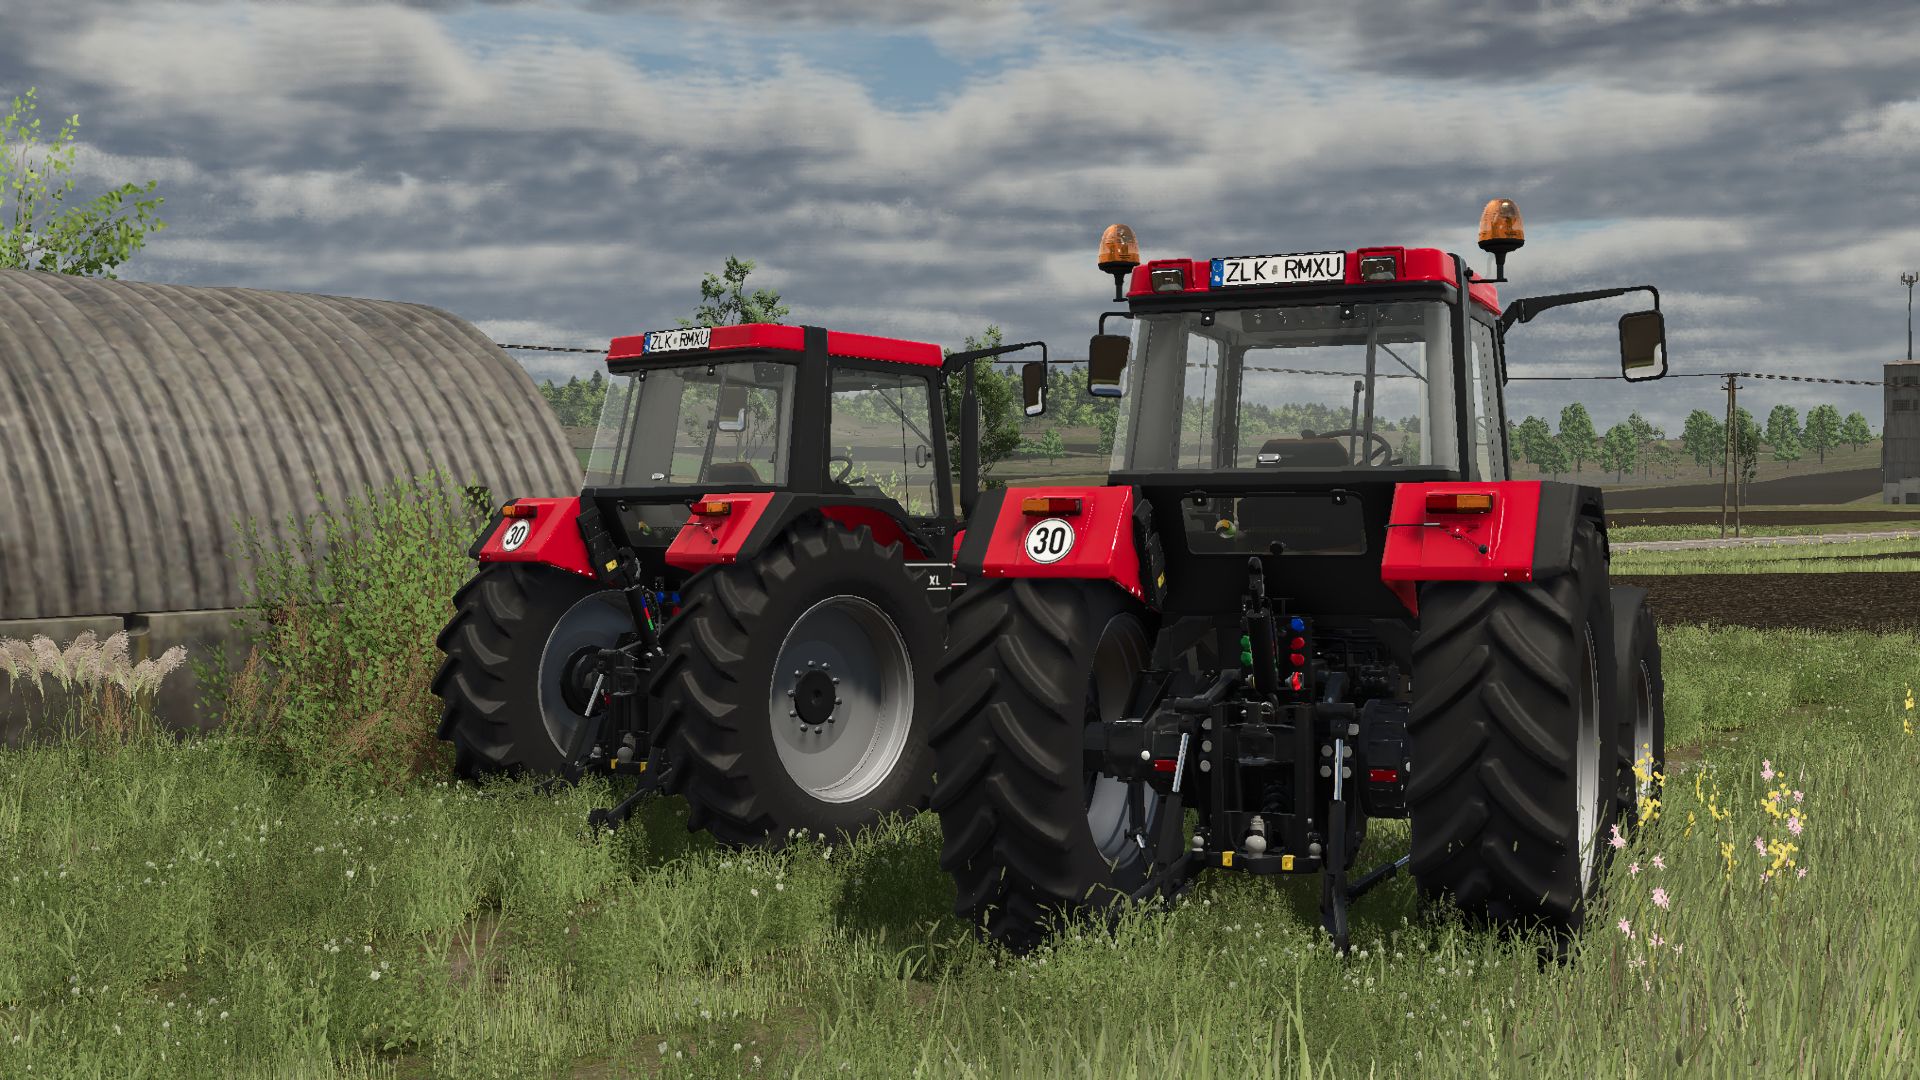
(1621, 534)
(192, 910)
(1894, 555)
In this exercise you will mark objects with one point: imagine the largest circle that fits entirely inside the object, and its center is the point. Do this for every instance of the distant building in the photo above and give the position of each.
(1900, 446)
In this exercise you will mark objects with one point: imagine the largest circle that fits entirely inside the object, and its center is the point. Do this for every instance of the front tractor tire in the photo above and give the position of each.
(1512, 737)
(796, 689)
(1030, 837)
(1642, 748)
(513, 684)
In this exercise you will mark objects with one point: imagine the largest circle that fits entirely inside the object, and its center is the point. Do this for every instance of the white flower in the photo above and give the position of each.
(374, 975)
(349, 873)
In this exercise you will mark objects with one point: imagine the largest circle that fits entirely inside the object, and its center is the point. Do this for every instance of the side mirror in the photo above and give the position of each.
(733, 408)
(1643, 346)
(1106, 361)
(1033, 387)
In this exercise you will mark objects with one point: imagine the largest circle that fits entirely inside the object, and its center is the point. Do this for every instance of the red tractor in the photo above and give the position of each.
(1308, 595)
(744, 603)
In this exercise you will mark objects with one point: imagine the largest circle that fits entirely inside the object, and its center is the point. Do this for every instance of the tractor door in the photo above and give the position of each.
(886, 441)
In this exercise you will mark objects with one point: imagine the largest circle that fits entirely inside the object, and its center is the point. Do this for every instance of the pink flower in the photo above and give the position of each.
(1676, 948)
(1766, 769)
(1654, 940)
(1627, 929)
(1760, 845)
(1617, 841)
(1660, 898)
(1766, 875)
(1634, 868)
(1773, 796)
(1803, 871)
(1659, 863)
(1793, 824)
(1797, 795)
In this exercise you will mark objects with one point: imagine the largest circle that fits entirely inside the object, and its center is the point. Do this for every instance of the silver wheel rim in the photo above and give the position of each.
(847, 648)
(1643, 733)
(595, 621)
(1109, 812)
(1587, 760)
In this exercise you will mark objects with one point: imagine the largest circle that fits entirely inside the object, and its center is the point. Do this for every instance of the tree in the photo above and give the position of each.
(1663, 458)
(46, 230)
(1855, 432)
(1620, 450)
(1049, 445)
(1783, 433)
(1823, 430)
(1576, 434)
(1531, 437)
(999, 404)
(1550, 455)
(726, 302)
(1704, 439)
(1108, 424)
(1746, 447)
(1644, 434)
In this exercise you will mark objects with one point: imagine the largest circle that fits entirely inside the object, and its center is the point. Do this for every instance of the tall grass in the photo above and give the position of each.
(1859, 556)
(89, 690)
(182, 911)
(345, 613)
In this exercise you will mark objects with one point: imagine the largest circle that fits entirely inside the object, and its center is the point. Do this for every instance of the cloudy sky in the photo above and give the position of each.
(565, 172)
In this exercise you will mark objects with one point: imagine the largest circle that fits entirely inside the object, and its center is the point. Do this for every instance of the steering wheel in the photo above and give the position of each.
(846, 467)
(1384, 451)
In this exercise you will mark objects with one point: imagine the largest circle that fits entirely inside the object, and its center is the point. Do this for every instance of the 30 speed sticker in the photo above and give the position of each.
(1050, 540)
(515, 536)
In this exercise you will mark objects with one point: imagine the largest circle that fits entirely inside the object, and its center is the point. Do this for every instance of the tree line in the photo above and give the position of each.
(1634, 444)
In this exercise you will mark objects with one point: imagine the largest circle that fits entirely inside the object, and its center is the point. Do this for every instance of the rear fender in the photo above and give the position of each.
(753, 519)
(1527, 536)
(551, 537)
(1003, 541)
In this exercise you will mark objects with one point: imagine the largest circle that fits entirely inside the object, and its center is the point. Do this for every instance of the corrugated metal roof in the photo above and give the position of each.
(138, 421)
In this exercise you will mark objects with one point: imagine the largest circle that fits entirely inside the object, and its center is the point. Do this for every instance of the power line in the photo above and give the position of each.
(550, 348)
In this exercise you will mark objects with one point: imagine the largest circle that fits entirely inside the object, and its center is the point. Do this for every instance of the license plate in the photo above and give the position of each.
(1298, 269)
(695, 337)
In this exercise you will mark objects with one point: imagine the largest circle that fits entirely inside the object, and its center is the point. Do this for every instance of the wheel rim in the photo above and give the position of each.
(1110, 811)
(1643, 734)
(1587, 760)
(595, 622)
(841, 702)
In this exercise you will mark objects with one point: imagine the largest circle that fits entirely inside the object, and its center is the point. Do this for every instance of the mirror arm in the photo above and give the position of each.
(1525, 308)
(1101, 328)
(963, 359)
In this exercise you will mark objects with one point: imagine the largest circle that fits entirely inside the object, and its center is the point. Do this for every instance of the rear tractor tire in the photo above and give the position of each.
(797, 689)
(1029, 836)
(514, 692)
(1512, 736)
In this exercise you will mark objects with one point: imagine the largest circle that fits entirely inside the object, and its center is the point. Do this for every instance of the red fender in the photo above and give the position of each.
(1527, 534)
(551, 536)
(716, 539)
(1005, 539)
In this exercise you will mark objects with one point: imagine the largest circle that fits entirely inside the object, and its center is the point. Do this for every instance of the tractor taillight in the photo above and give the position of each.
(1050, 504)
(1384, 776)
(520, 510)
(713, 507)
(1459, 502)
(1165, 764)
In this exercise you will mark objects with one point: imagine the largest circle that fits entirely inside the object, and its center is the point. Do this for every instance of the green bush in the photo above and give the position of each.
(344, 609)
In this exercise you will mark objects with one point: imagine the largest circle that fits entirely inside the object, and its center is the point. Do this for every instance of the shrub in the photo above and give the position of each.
(344, 610)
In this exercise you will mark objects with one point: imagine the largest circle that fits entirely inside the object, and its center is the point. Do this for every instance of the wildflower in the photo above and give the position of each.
(1660, 898)
(1676, 948)
(374, 975)
(1654, 940)
(1766, 769)
(756, 892)
(1793, 824)
(1627, 929)
(1760, 845)
(1633, 868)
(1617, 840)
(1803, 872)
(1636, 962)
(1659, 863)
(349, 873)
(1797, 795)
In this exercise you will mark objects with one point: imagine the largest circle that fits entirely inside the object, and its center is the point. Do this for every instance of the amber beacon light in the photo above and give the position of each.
(1501, 232)
(1119, 254)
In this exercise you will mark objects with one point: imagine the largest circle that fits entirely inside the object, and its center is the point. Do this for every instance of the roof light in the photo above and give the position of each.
(1119, 253)
(1377, 268)
(1459, 502)
(1169, 279)
(713, 507)
(1500, 233)
(520, 510)
(1050, 504)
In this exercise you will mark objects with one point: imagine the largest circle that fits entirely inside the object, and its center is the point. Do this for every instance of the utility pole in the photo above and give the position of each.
(1908, 280)
(1726, 465)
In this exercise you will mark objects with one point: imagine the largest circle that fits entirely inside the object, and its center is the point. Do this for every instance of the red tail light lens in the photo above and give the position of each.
(1050, 504)
(519, 510)
(1459, 502)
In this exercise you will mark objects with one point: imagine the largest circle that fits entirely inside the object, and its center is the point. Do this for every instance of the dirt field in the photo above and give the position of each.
(1812, 487)
(1863, 601)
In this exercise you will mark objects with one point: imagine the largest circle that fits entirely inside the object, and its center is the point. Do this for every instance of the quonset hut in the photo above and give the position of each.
(139, 421)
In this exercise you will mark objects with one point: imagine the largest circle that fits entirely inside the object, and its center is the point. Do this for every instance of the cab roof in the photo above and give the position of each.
(777, 337)
(1410, 264)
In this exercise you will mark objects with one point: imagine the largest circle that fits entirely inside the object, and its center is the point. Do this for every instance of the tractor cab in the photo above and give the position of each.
(848, 418)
